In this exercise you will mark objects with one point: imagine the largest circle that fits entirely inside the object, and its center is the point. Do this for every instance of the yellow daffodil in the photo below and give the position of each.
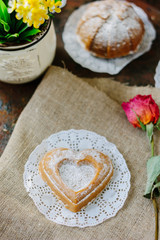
(34, 12)
(53, 6)
(11, 6)
(56, 7)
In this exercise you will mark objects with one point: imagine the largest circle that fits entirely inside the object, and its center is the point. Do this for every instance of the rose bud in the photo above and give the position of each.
(141, 110)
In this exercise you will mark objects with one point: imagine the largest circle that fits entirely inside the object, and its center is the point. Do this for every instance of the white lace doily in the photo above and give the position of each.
(105, 206)
(85, 59)
(157, 76)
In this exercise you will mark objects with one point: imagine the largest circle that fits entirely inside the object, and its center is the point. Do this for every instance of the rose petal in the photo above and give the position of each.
(142, 106)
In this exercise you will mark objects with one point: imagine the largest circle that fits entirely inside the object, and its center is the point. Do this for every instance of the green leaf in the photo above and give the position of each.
(4, 15)
(153, 171)
(15, 35)
(2, 29)
(6, 2)
(51, 15)
(158, 128)
(28, 40)
(28, 33)
(158, 124)
(23, 29)
(13, 22)
(149, 129)
(19, 25)
(5, 25)
(2, 41)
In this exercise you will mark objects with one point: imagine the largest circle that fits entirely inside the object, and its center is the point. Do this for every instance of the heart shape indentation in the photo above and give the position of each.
(76, 177)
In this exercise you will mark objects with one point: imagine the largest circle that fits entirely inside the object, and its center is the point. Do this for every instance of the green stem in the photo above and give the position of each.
(152, 146)
(156, 210)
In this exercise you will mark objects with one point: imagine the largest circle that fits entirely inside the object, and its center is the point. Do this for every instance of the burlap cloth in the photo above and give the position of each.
(63, 101)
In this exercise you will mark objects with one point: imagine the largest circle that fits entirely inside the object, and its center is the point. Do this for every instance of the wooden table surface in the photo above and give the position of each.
(13, 98)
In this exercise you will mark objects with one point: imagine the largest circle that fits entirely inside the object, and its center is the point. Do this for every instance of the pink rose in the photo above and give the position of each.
(143, 108)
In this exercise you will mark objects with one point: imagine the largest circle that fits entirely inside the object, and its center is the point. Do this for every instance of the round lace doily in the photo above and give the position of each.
(105, 206)
(111, 66)
(157, 76)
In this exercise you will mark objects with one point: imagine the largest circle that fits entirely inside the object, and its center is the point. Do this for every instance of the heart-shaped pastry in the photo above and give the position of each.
(76, 177)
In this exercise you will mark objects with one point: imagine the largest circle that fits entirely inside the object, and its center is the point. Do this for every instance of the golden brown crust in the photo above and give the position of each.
(75, 200)
(110, 29)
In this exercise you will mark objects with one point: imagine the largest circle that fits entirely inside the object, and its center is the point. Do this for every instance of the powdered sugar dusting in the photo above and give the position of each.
(112, 34)
(116, 27)
(75, 176)
(106, 204)
(75, 168)
(114, 30)
(59, 155)
(79, 54)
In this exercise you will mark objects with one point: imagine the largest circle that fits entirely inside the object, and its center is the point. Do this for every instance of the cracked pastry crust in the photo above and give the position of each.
(110, 29)
(75, 199)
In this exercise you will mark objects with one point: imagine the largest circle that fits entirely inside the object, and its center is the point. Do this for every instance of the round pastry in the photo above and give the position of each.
(110, 29)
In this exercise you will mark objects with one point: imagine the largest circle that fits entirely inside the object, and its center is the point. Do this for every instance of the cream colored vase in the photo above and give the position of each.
(24, 63)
